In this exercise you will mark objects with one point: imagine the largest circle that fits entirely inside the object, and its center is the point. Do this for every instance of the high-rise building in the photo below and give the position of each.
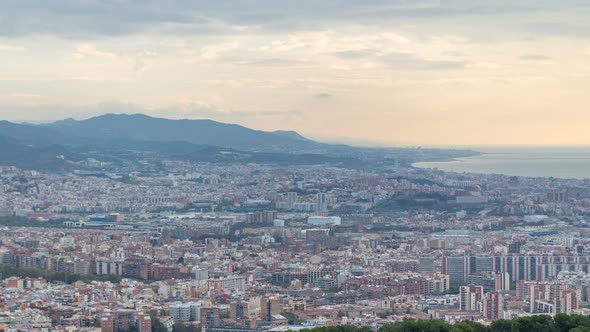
(502, 281)
(261, 217)
(106, 324)
(202, 272)
(181, 312)
(457, 268)
(493, 305)
(124, 320)
(269, 306)
(517, 267)
(291, 200)
(439, 283)
(552, 298)
(143, 322)
(135, 267)
(471, 298)
(229, 284)
(483, 264)
(490, 281)
(321, 202)
(209, 317)
(557, 197)
(426, 264)
(238, 310)
(567, 302)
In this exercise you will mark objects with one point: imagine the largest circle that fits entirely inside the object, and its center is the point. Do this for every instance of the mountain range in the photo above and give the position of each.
(141, 127)
(122, 139)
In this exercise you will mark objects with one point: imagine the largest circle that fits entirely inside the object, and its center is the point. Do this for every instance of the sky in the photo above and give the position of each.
(399, 72)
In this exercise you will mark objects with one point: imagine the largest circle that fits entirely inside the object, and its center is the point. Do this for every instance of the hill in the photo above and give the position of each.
(49, 157)
(291, 134)
(139, 127)
(127, 141)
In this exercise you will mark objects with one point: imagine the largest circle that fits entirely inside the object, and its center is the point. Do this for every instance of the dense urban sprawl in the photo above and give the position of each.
(253, 248)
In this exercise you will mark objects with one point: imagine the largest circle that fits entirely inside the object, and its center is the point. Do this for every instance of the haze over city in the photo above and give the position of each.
(294, 166)
(421, 72)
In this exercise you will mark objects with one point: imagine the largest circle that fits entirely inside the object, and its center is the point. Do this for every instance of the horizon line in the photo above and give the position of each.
(354, 142)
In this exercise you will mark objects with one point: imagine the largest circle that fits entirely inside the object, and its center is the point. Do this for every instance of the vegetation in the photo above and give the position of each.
(333, 289)
(339, 328)
(433, 201)
(43, 157)
(180, 327)
(7, 271)
(14, 221)
(236, 232)
(538, 323)
(292, 318)
(157, 325)
(113, 139)
(420, 181)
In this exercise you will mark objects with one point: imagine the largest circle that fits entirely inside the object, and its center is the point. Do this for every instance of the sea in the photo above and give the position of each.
(557, 162)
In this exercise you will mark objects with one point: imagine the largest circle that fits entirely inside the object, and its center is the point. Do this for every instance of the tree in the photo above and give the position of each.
(157, 325)
(292, 318)
(580, 329)
(412, 325)
(566, 323)
(180, 327)
(541, 323)
(463, 326)
(501, 325)
(133, 328)
(469, 326)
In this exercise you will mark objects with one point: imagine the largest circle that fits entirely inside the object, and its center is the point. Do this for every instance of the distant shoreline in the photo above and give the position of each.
(566, 163)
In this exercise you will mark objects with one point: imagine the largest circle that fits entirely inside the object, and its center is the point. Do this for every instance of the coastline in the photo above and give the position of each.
(531, 163)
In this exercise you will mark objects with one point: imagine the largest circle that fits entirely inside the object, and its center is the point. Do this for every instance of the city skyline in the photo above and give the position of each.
(379, 73)
(311, 166)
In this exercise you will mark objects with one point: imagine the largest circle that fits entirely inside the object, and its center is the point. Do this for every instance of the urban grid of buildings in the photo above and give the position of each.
(268, 248)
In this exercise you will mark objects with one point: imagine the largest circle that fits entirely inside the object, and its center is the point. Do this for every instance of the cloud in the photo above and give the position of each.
(269, 62)
(357, 54)
(25, 95)
(192, 110)
(214, 51)
(361, 60)
(84, 19)
(292, 42)
(403, 61)
(95, 19)
(534, 57)
(84, 50)
(12, 48)
(558, 27)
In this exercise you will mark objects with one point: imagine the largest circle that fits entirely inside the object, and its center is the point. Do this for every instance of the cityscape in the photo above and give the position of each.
(261, 247)
(294, 166)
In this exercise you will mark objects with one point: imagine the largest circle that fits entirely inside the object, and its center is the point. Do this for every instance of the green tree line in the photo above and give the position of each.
(7, 271)
(536, 323)
(15, 221)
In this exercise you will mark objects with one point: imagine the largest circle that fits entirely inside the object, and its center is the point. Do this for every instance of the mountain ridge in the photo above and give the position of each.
(126, 141)
(197, 131)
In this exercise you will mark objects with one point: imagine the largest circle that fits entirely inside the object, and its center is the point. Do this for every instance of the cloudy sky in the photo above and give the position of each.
(409, 72)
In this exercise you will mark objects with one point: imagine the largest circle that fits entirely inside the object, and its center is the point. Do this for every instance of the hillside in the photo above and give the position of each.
(126, 142)
(141, 127)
